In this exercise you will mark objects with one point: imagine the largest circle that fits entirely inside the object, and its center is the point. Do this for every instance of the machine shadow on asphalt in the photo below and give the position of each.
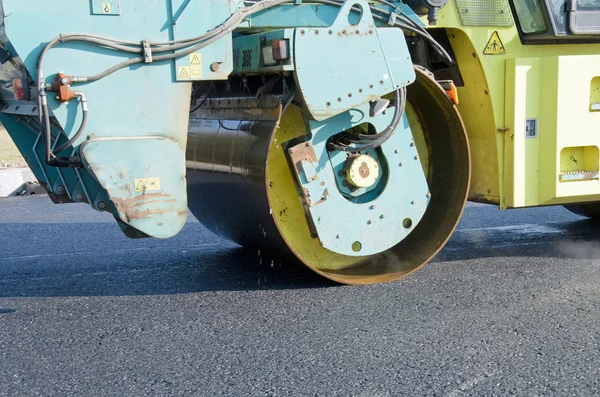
(143, 267)
(108, 264)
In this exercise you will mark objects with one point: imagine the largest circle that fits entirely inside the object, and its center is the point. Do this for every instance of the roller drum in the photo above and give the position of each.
(241, 187)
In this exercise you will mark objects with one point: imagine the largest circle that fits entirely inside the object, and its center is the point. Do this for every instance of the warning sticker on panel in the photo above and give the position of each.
(196, 65)
(183, 73)
(196, 58)
(494, 46)
(147, 184)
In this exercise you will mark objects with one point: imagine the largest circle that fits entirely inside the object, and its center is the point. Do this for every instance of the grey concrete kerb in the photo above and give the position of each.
(14, 181)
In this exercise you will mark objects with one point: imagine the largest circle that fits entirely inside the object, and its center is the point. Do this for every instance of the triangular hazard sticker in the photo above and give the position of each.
(195, 60)
(494, 45)
(141, 186)
(184, 74)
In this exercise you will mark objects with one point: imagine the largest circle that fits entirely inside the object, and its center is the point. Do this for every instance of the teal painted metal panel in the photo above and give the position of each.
(249, 57)
(376, 220)
(350, 63)
(148, 194)
(141, 101)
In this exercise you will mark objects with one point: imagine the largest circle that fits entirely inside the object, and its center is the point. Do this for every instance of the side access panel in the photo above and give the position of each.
(553, 139)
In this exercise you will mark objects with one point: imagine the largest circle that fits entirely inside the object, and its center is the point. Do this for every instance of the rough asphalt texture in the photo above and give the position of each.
(511, 306)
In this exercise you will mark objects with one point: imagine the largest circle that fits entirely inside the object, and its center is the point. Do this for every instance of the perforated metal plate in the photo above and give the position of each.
(484, 12)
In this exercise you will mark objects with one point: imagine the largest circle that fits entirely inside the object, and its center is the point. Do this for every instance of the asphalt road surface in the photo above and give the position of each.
(510, 306)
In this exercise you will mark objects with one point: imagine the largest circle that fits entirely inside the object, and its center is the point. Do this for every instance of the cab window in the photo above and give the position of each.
(530, 16)
(557, 21)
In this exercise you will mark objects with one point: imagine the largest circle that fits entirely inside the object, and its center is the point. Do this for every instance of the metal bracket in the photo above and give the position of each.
(305, 160)
(147, 51)
(394, 15)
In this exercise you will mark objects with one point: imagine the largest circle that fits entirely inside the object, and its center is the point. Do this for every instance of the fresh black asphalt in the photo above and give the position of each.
(510, 306)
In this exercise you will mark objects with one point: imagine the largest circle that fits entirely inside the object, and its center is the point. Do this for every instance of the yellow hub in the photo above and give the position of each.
(361, 170)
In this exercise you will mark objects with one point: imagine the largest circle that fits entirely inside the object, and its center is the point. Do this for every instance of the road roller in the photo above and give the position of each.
(345, 136)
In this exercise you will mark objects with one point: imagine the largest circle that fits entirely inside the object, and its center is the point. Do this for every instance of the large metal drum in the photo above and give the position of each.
(240, 184)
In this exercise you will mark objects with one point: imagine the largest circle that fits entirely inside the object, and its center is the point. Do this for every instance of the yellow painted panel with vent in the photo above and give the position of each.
(552, 89)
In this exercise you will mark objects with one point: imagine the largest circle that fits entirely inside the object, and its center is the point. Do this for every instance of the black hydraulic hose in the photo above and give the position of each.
(398, 111)
(376, 140)
(45, 122)
(206, 96)
(81, 129)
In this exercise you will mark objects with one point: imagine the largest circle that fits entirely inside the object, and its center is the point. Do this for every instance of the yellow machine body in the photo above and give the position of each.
(553, 84)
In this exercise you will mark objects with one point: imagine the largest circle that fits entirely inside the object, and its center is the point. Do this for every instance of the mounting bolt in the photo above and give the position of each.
(215, 66)
(79, 197)
(302, 32)
(369, 222)
(60, 189)
(339, 236)
(372, 207)
(323, 243)
(428, 195)
(57, 98)
(323, 183)
(381, 216)
(64, 81)
(102, 205)
(417, 157)
(412, 144)
(396, 151)
(413, 202)
(401, 164)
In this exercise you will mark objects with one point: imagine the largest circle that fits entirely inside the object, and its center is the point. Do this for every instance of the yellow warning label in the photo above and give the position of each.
(494, 45)
(196, 71)
(183, 73)
(147, 184)
(196, 58)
